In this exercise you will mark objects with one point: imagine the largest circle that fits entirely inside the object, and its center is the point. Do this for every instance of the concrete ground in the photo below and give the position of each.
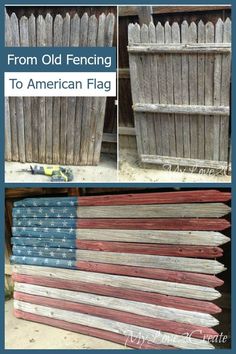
(131, 170)
(105, 172)
(21, 334)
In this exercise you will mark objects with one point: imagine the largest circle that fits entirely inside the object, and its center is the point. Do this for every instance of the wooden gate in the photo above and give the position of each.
(180, 81)
(66, 130)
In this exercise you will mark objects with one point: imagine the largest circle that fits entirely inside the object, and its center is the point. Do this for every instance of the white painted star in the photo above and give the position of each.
(46, 229)
(69, 264)
(71, 216)
(71, 230)
(52, 223)
(40, 210)
(71, 202)
(64, 255)
(46, 216)
(52, 254)
(64, 223)
(29, 252)
(46, 261)
(58, 230)
(40, 253)
(35, 228)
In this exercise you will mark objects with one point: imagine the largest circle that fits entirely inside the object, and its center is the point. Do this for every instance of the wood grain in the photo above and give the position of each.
(123, 316)
(152, 273)
(110, 325)
(123, 293)
(151, 249)
(95, 332)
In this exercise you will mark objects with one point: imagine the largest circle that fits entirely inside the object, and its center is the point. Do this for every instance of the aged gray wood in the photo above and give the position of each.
(8, 155)
(177, 47)
(41, 42)
(120, 281)
(114, 326)
(177, 90)
(55, 127)
(108, 41)
(95, 145)
(186, 210)
(197, 238)
(139, 308)
(225, 96)
(91, 102)
(201, 132)
(9, 148)
(209, 67)
(205, 266)
(48, 100)
(193, 93)
(24, 39)
(135, 79)
(208, 164)
(201, 96)
(58, 32)
(66, 121)
(181, 109)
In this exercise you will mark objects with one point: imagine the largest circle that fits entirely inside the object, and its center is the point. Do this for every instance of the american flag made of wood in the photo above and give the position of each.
(136, 269)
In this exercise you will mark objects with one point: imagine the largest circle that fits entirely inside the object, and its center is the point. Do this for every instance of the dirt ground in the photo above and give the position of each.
(130, 170)
(21, 334)
(105, 172)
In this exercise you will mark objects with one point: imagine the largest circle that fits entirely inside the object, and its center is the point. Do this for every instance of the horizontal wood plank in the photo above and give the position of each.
(122, 292)
(155, 224)
(152, 273)
(204, 266)
(206, 238)
(181, 109)
(112, 326)
(193, 48)
(94, 332)
(123, 316)
(145, 285)
(151, 249)
(153, 311)
(209, 165)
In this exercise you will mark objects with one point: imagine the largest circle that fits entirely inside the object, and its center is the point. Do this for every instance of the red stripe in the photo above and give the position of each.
(153, 249)
(152, 273)
(121, 316)
(94, 332)
(156, 198)
(128, 294)
(154, 224)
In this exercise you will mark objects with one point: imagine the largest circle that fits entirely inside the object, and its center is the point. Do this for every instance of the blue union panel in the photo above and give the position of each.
(45, 212)
(38, 242)
(58, 253)
(40, 232)
(45, 222)
(36, 202)
(47, 262)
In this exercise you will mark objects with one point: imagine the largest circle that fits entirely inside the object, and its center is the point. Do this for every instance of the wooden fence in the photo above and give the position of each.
(56, 129)
(144, 283)
(180, 80)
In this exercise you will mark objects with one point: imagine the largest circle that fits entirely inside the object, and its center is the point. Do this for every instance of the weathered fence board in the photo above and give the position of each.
(120, 315)
(111, 290)
(113, 326)
(182, 114)
(65, 130)
(98, 333)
